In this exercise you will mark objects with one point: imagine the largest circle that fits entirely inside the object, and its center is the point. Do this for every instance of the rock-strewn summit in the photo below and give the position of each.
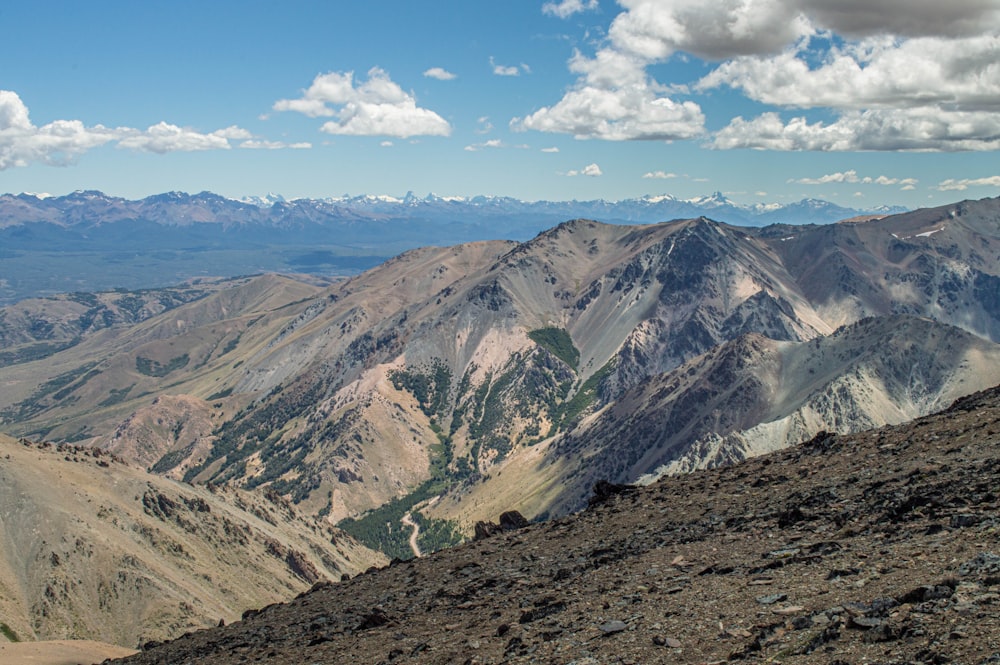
(881, 547)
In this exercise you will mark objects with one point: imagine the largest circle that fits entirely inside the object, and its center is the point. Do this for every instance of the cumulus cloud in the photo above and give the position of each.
(614, 99)
(567, 8)
(659, 175)
(439, 73)
(57, 143)
(553, 149)
(375, 107)
(631, 113)
(592, 170)
(952, 185)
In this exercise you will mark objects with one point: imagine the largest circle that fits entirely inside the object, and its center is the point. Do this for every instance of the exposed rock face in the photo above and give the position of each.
(874, 547)
(515, 375)
(93, 548)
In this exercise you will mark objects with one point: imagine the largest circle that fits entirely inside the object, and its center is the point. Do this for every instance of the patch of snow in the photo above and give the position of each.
(928, 234)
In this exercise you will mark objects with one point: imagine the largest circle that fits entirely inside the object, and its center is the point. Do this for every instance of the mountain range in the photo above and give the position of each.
(450, 384)
(89, 241)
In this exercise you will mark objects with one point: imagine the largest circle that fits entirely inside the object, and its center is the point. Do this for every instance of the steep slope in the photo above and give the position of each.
(875, 547)
(755, 395)
(939, 262)
(93, 548)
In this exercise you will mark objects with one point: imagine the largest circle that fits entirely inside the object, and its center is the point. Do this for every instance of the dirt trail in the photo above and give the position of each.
(408, 521)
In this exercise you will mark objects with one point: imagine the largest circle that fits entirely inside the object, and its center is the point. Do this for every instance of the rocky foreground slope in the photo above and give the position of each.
(875, 547)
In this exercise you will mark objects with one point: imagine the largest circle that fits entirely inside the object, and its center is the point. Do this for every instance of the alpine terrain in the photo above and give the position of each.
(450, 384)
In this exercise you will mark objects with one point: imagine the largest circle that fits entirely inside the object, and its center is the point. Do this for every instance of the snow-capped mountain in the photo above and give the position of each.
(51, 244)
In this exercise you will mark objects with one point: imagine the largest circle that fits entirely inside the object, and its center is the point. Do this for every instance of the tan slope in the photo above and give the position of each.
(59, 652)
(93, 548)
(84, 391)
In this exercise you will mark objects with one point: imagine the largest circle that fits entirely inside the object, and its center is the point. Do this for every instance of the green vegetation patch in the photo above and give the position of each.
(429, 387)
(557, 342)
(116, 395)
(225, 392)
(35, 351)
(149, 367)
(57, 388)
(382, 530)
(569, 412)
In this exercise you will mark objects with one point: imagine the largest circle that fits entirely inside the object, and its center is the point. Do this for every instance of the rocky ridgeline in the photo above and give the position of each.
(877, 547)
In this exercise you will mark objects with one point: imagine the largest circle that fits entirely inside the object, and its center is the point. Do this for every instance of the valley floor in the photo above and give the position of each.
(59, 652)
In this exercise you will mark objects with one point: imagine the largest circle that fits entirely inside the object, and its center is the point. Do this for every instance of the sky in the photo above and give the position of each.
(859, 102)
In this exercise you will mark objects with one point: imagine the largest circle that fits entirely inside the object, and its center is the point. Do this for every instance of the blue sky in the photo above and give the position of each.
(862, 102)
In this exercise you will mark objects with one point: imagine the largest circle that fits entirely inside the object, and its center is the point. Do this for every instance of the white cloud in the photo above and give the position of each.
(57, 143)
(955, 74)
(376, 107)
(846, 176)
(553, 149)
(853, 177)
(386, 144)
(509, 70)
(952, 185)
(492, 143)
(440, 74)
(592, 170)
(630, 113)
(567, 8)
(659, 175)
(925, 129)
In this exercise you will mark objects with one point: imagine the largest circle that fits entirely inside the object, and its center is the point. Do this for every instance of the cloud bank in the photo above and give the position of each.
(62, 142)
(850, 75)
